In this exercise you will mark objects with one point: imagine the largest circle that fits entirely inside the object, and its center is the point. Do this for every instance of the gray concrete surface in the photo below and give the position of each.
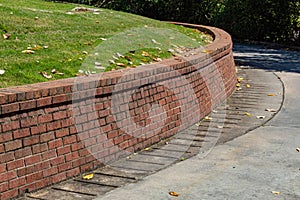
(251, 166)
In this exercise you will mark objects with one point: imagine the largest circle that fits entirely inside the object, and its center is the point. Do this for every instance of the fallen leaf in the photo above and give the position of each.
(155, 42)
(47, 76)
(298, 149)
(248, 85)
(238, 85)
(36, 18)
(103, 39)
(85, 52)
(28, 52)
(260, 117)
(2, 71)
(182, 158)
(270, 110)
(146, 54)
(247, 114)
(6, 36)
(119, 55)
(208, 118)
(121, 64)
(240, 79)
(276, 192)
(174, 194)
(220, 127)
(206, 51)
(147, 149)
(271, 95)
(157, 59)
(35, 48)
(88, 177)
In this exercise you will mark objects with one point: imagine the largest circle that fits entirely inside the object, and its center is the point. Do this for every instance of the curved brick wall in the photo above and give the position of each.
(56, 130)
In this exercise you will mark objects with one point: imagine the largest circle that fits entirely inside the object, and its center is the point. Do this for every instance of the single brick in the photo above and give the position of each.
(16, 144)
(33, 159)
(21, 133)
(16, 183)
(15, 164)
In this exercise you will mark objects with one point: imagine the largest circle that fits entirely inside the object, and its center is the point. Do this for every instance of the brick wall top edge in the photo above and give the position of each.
(222, 42)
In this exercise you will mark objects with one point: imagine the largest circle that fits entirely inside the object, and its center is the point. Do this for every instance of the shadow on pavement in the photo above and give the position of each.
(267, 58)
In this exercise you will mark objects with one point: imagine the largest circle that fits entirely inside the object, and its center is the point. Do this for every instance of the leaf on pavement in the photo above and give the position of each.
(88, 177)
(174, 194)
(298, 149)
(260, 117)
(248, 85)
(276, 192)
(270, 110)
(247, 114)
(271, 95)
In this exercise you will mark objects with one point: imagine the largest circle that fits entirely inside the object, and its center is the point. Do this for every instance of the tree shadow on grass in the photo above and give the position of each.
(267, 58)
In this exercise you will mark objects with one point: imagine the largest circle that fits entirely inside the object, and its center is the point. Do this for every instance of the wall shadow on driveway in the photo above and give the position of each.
(267, 58)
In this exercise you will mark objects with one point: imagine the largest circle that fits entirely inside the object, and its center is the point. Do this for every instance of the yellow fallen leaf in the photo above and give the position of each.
(240, 79)
(147, 149)
(206, 51)
(88, 177)
(174, 194)
(298, 149)
(276, 192)
(271, 95)
(182, 158)
(247, 114)
(238, 85)
(146, 54)
(248, 85)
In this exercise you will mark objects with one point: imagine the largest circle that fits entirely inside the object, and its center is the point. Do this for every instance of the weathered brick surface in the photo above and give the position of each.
(56, 130)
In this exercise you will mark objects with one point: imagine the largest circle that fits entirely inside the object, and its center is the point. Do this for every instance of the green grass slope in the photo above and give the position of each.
(39, 36)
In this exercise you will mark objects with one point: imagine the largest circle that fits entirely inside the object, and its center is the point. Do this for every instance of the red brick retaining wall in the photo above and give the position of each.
(56, 130)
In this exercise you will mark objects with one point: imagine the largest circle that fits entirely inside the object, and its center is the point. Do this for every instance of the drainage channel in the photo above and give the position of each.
(239, 114)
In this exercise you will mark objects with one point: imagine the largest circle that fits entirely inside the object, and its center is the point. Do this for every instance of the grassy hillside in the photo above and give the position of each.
(38, 37)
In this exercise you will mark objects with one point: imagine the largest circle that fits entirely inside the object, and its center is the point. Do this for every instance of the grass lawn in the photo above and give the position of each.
(42, 41)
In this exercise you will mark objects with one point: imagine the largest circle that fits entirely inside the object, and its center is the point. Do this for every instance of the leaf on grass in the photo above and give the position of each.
(128, 58)
(157, 59)
(145, 53)
(174, 194)
(85, 52)
(270, 110)
(121, 64)
(88, 177)
(247, 114)
(298, 149)
(28, 52)
(271, 95)
(276, 192)
(2, 71)
(54, 71)
(6, 36)
(35, 48)
(103, 39)
(155, 42)
(47, 76)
